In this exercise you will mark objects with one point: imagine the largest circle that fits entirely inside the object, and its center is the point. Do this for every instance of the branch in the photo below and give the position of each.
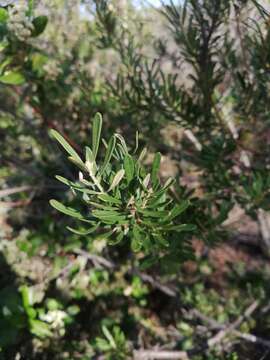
(231, 328)
(225, 330)
(192, 138)
(170, 291)
(101, 261)
(252, 338)
(15, 190)
(156, 354)
(96, 259)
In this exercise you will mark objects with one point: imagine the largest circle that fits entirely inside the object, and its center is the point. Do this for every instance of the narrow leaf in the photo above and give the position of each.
(76, 186)
(109, 153)
(69, 183)
(180, 228)
(89, 156)
(123, 143)
(66, 210)
(109, 337)
(84, 232)
(111, 199)
(142, 155)
(96, 132)
(116, 240)
(146, 181)
(129, 167)
(62, 141)
(118, 177)
(155, 214)
(102, 206)
(90, 162)
(105, 235)
(136, 143)
(166, 186)
(177, 210)
(147, 262)
(136, 242)
(155, 167)
(78, 163)
(107, 214)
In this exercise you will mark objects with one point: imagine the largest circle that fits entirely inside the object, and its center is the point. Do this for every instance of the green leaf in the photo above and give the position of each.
(123, 145)
(67, 182)
(76, 186)
(78, 163)
(96, 132)
(161, 240)
(136, 242)
(5, 63)
(108, 215)
(105, 213)
(180, 228)
(129, 167)
(89, 156)
(38, 62)
(155, 168)
(66, 210)
(3, 15)
(39, 24)
(136, 143)
(12, 78)
(166, 186)
(30, 8)
(26, 299)
(113, 220)
(111, 199)
(142, 154)
(148, 261)
(116, 240)
(39, 328)
(155, 214)
(177, 210)
(69, 149)
(159, 203)
(109, 337)
(84, 232)
(102, 344)
(105, 235)
(118, 177)
(102, 206)
(109, 153)
(146, 182)
(90, 161)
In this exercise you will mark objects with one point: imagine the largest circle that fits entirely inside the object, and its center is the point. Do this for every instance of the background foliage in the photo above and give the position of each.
(167, 239)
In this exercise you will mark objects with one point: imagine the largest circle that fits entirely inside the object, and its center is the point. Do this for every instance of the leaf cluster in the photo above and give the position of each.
(123, 200)
(13, 50)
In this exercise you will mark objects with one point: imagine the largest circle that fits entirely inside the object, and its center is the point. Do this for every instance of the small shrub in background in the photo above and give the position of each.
(200, 69)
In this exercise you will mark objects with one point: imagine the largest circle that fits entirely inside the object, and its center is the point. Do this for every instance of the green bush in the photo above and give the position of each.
(184, 86)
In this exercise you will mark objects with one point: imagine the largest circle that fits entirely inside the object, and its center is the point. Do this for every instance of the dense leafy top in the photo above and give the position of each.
(122, 199)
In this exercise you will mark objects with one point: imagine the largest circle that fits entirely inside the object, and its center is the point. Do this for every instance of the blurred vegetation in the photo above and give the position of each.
(164, 261)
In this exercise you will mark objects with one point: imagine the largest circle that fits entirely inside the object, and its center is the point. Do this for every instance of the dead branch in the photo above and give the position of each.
(158, 354)
(15, 190)
(230, 328)
(96, 259)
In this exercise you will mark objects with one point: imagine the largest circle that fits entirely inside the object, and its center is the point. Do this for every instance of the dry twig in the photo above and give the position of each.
(163, 355)
(229, 329)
